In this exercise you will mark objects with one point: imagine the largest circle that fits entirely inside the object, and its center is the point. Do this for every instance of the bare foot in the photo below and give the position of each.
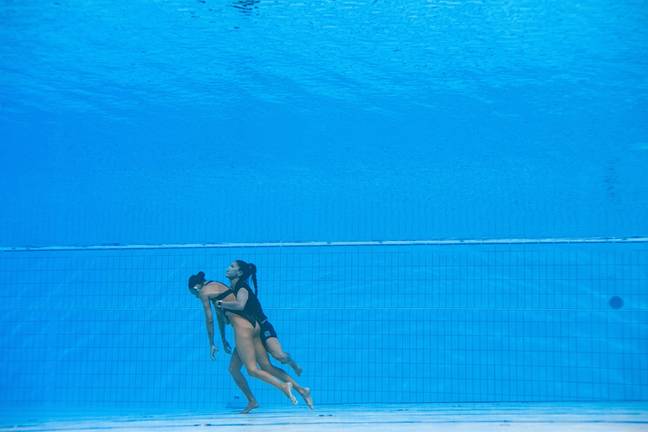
(306, 394)
(287, 389)
(250, 406)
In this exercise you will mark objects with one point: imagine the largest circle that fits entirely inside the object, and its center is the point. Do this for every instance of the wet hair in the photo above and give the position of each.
(194, 280)
(248, 270)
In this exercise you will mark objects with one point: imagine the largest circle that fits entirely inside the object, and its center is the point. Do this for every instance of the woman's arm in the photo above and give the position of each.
(209, 322)
(238, 304)
(221, 328)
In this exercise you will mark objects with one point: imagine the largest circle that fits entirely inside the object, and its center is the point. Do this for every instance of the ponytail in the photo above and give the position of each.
(253, 270)
(248, 269)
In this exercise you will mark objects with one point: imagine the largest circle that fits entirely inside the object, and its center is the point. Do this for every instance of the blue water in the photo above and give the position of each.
(321, 120)
(239, 121)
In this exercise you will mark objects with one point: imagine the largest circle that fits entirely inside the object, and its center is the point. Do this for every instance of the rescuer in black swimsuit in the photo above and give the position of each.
(248, 304)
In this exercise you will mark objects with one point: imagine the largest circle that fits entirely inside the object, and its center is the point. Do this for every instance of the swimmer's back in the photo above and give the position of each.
(218, 291)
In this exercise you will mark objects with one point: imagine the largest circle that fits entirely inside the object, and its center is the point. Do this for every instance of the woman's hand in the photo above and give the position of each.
(212, 352)
(227, 348)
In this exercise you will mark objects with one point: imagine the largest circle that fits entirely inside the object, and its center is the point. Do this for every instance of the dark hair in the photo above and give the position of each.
(194, 280)
(248, 270)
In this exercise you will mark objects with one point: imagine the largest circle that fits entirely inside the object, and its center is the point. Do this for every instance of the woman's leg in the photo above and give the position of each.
(264, 363)
(246, 338)
(275, 349)
(241, 382)
(262, 359)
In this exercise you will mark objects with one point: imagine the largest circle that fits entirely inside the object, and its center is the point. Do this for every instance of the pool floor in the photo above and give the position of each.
(612, 417)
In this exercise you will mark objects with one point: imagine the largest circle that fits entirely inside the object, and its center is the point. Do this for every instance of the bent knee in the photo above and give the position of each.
(253, 371)
(266, 366)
